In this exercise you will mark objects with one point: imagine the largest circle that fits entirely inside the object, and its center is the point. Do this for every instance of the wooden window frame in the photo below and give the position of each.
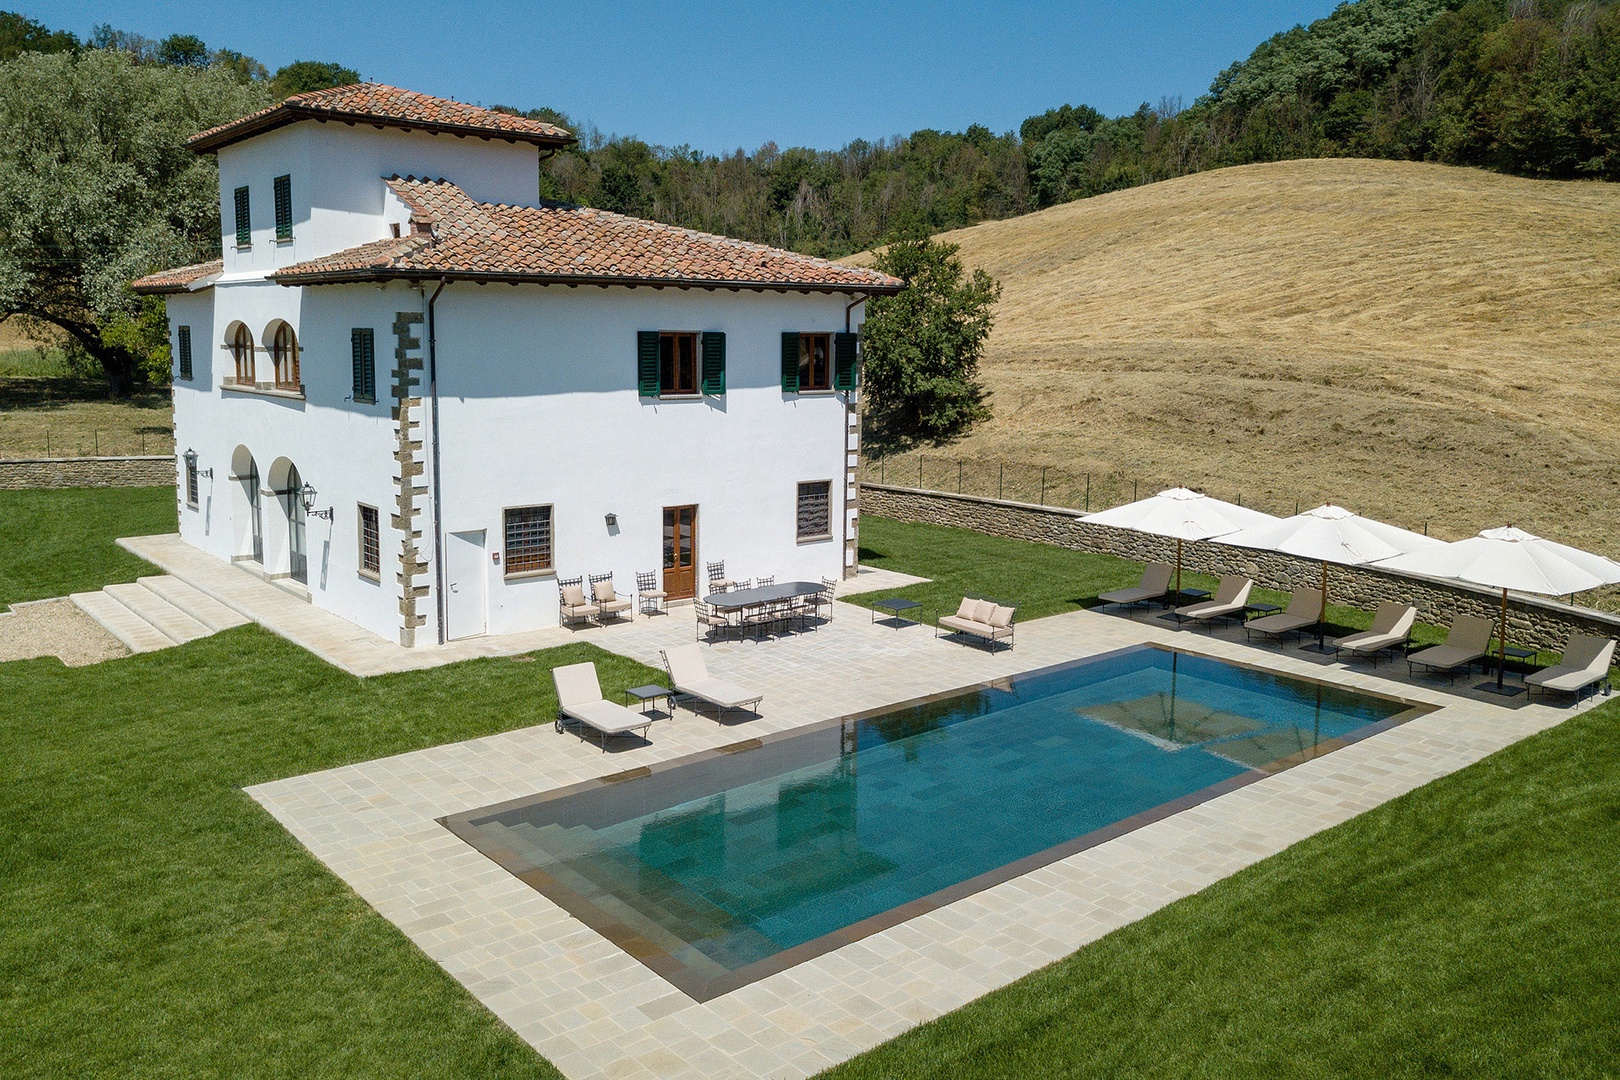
(672, 387)
(373, 572)
(547, 562)
(798, 509)
(183, 343)
(241, 347)
(808, 383)
(284, 359)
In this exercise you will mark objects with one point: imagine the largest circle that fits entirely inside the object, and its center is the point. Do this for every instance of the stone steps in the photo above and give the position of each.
(136, 634)
(169, 620)
(194, 602)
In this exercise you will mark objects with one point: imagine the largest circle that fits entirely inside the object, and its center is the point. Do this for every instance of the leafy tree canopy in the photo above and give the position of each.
(97, 187)
(922, 347)
(302, 76)
(20, 34)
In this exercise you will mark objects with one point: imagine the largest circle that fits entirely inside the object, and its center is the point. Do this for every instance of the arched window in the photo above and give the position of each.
(284, 352)
(242, 352)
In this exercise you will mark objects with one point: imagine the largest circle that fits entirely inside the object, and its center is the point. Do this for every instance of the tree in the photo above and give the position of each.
(182, 50)
(97, 187)
(302, 76)
(922, 347)
(20, 34)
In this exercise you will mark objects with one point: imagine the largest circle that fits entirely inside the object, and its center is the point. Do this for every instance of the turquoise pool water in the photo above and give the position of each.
(731, 865)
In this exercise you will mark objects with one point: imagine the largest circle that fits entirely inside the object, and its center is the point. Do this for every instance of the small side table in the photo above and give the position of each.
(1515, 653)
(1195, 594)
(894, 606)
(1263, 609)
(647, 693)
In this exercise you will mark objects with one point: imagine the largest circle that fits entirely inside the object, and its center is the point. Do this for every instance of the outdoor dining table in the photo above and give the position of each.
(742, 599)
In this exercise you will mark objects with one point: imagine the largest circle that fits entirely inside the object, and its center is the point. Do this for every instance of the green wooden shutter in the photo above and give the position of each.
(714, 362)
(244, 222)
(185, 352)
(844, 367)
(283, 185)
(647, 362)
(790, 362)
(363, 349)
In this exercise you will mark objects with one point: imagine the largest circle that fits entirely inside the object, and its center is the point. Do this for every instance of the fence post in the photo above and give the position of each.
(959, 476)
(1133, 491)
(1043, 485)
(1088, 493)
(1001, 474)
(95, 436)
(47, 442)
(919, 470)
(883, 470)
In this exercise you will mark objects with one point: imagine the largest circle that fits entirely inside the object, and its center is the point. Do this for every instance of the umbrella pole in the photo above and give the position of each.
(1321, 622)
(1178, 571)
(1501, 645)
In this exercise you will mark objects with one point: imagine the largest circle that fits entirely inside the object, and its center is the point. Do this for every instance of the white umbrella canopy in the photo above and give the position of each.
(1181, 514)
(1332, 534)
(1509, 558)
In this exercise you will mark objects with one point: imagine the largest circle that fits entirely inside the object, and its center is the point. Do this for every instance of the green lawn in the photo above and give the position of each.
(1471, 928)
(154, 921)
(56, 542)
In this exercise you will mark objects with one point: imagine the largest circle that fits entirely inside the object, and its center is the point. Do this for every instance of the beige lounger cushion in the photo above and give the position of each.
(1466, 641)
(579, 697)
(1586, 660)
(1155, 583)
(1280, 623)
(1230, 598)
(1391, 625)
(690, 675)
(1001, 617)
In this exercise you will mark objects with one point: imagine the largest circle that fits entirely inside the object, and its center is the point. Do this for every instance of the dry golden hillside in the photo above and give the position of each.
(1418, 342)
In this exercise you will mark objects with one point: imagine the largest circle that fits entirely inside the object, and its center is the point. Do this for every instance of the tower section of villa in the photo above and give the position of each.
(416, 394)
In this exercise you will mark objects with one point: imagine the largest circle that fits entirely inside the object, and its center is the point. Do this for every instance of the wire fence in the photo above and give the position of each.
(1044, 485)
(77, 442)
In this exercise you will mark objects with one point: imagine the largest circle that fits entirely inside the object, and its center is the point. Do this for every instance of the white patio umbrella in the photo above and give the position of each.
(1181, 514)
(1510, 558)
(1332, 534)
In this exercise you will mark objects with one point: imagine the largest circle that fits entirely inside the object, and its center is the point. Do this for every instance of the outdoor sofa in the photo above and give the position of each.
(1231, 600)
(1155, 586)
(1391, 629)
(579, 698)
(690, 677)
(1304, 609)
(1468, 640)
(1585, 663)
(981, 620)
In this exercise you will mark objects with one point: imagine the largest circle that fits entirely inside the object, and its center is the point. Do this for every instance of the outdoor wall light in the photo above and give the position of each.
(191, 463)
(612, 521)
(307, 493)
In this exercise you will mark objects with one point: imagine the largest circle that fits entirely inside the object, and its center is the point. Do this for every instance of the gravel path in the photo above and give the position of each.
(55, 628)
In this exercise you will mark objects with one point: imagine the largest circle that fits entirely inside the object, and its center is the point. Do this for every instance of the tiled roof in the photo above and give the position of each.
(178, 280)
(559, 243)
(374, 103)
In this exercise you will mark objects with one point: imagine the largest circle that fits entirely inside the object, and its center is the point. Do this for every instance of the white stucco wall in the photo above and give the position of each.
(538, 405)
(337, 196)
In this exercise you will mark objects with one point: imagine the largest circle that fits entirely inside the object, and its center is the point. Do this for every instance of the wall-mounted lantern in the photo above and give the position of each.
(307, 493)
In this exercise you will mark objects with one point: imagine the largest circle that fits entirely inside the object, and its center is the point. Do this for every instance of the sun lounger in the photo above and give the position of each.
(689, 675)
(1585, 663)
(1304, 609)
(1155, 585)
(1231, 600)
(982, 620)
(1468, 640)
(579, 698)
(1391, 628)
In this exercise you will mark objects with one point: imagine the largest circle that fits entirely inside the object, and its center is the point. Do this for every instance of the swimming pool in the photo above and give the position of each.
(730, 865)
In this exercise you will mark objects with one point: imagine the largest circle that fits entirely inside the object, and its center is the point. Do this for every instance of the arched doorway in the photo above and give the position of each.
(292, 501)
(250, 522)
(255, 510)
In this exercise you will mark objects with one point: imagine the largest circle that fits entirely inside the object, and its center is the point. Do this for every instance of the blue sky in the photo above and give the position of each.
(719, 76)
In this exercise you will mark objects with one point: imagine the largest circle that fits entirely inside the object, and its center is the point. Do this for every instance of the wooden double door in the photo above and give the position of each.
(680, 552)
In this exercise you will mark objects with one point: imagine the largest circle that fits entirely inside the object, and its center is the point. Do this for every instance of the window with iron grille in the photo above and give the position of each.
(528, 539)
(370, 542)
(815, 516)
(283, 191)
(191, 483)
(185, 352)
(244, 219)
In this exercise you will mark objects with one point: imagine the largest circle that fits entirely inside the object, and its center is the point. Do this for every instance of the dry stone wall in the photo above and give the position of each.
(1532, 621)
(157, 470)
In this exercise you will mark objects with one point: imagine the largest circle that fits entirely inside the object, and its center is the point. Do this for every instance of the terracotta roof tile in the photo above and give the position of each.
(556, 242)
(179, 279)
(374, 103)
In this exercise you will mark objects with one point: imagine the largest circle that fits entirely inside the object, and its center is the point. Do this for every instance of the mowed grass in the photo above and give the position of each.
(155, 921)
(1416, 342)
(1469, 928)
(60, 541)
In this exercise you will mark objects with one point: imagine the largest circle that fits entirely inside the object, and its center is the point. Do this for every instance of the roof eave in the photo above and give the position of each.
(285, 114)
(177, 287)
(374, 274)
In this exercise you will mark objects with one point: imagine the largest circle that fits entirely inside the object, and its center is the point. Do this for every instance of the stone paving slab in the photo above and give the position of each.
(596, 1012)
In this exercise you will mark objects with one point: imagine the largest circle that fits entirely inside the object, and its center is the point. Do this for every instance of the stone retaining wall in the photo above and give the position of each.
(1532, 621)
(157, 470)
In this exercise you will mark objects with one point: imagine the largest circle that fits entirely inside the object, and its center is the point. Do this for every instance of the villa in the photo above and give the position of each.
(416, 394)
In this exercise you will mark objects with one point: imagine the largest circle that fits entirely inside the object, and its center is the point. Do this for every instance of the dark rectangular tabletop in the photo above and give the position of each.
(897, 603)
(764, 594)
